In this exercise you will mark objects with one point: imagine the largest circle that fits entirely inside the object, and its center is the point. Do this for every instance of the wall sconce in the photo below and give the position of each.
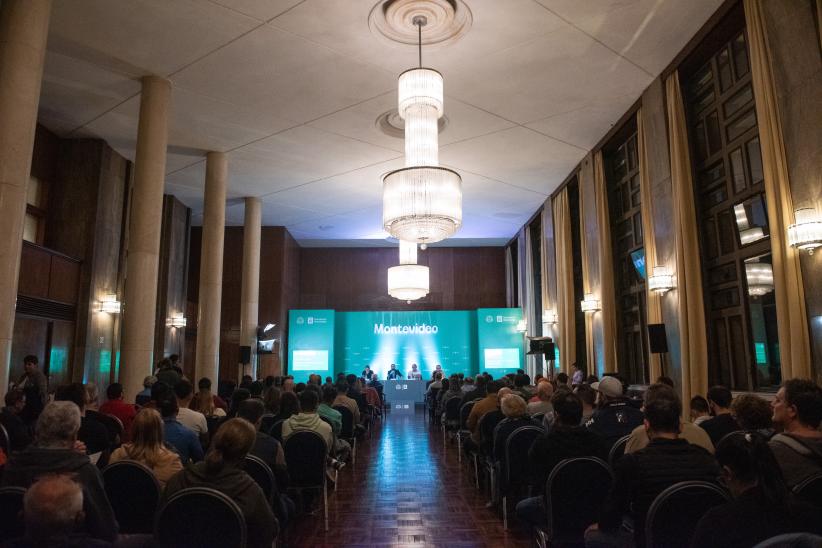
(589, 304)
(806, 232)
(177, 321)
(109, 304)
(760, 278)
(522, 326)
(661, 280)
(549, 317)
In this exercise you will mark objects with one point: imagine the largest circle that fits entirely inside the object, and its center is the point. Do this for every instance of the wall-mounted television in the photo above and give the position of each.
(638, 258)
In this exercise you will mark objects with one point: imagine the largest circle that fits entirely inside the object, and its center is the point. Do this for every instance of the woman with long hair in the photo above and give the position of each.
(222, 469)
(289, 406)
(147, 447)
(204, 400)
(271, 399)
(762, 505)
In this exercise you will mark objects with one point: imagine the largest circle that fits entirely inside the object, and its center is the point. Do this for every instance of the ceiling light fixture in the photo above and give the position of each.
(806, 232)
(408, 281)
(422, 202)
(760, 278)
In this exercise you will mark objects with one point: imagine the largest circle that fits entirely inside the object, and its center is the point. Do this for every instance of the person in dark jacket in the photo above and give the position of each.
(54, 452)
(639, 477)
(479, 391)
(34, 385)
(92, 432)
(222, 470)
(514, 409)
(615, 417)
(762, 508)
(19, 437)
(566, 440)
(722, 421)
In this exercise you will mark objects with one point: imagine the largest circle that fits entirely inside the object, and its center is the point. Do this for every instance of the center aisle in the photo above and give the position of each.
(406, 490)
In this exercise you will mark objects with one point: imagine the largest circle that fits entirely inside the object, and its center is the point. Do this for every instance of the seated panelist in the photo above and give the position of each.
(394, 373)
(414, 373)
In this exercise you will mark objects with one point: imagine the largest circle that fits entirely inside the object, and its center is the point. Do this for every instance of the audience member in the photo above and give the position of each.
(289, 406)
(591, 379)
(34, 385)
(762, 508)
(588, 396)
(343, 399)
(265, 446)
(578, 375)
(55, 451)
(288, 385)
(436, 384)
(144, 396)
(53, 514)
(92, 433)
(180, 438)
(566, 440)
(522, 386)
(722, 422)
(216, 408)
(166, 373)
(449, 392)
(467, 385)
(148, 448)
(256, 389)
(562, 379)
(479, 391)
(116, 406)
(514, 409)
(797, 409)
(489, 403)
(543, 404)
(191, 419)
(271, 400)
(753, 414)
(246, 381)
(308, 419)
(326, 409)
(687, 431)
(222, 470)
(237, 397)
(18, 432)
(615, 417)
(700, 410)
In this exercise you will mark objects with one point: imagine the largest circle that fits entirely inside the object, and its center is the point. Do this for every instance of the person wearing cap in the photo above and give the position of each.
(615, 417)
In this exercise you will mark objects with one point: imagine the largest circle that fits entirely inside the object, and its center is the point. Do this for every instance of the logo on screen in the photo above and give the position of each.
(499, 319)
(300, 320)
(416, 329)
(489, 319)
(310, 320)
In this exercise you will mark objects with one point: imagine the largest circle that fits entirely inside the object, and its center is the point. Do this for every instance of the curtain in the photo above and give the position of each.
(653, 313)
(606, 269)
(794, 344)
(529, 311)
(692, 331)
(590, 348)
(566, 323)
(509, 278)
(549, 273)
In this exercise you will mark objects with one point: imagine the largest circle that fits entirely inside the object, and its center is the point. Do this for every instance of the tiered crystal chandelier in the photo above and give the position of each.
(408, 281)
(422, 202)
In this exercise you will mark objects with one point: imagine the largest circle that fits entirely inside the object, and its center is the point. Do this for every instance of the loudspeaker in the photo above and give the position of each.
(541, 345)
(549, 350)
(245, 355)
(657, 339)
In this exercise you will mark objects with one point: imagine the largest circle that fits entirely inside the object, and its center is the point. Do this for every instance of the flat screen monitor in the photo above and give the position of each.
(309, 360)
(638, 258)
(502, 358)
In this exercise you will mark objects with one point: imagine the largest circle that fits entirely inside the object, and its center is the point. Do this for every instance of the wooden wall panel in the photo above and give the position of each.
(35, 267)
(64, 280)
(173, 279)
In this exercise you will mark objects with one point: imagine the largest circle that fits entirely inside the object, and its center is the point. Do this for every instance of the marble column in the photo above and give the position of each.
(23, 33)
(250, 303)
(211, 268)
(146, 218)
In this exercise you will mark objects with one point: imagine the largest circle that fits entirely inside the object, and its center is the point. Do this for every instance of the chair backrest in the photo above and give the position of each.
(134, 493)
(347, 430)
(266, 422)
(487, 426)
(465, 411)
(200, 516)
(575, 491)
(672, 517)
(277, 430)
(115, 424)
(617, 450)
(810, 490)
(261, 473)
(11, 517)
(452, 409)
(305, 453)
(516, 470)
(537, 417)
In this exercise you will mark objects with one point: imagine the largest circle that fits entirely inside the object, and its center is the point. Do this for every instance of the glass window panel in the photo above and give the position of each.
(632, 159)
(704, 100)
(638, 228)
(723, 61)
(714, 136)
(722, 274)
(619, 165)
(700, 142)
(715, 197)
(712, 175)
(727, 241)
(709, 238)
(741, 125)
(755, 161)
(737, 170)
(635, 199)
(740, 50)
(738, 100)
(30, 226)
(635, 182)
(751, 220)
(702, 78)
(724, 298)
(762, 320)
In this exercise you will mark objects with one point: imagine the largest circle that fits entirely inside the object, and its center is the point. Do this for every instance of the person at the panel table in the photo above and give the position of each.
(438, 369)
(394, 373)
(414, 373)
(366, 373)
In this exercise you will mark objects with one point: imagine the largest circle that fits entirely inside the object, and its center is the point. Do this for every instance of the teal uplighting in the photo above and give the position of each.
(105, 363)
(58, 359)
(760, 352)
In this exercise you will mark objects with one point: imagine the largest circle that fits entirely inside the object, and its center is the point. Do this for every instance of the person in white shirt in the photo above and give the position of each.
(191, 419)
(414, 373)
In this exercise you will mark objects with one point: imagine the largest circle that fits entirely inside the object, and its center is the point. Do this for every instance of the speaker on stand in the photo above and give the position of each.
(658, 343)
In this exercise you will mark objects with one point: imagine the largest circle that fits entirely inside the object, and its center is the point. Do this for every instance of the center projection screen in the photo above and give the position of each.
(346, 342)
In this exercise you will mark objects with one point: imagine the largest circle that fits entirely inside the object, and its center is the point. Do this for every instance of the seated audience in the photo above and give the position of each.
(753, 414)
(144, 396)
(722, 422)
(797, 410)
(147, 447)
(436, 384)
(288, 384)
(543, 403)
(166, 373)
(467, 385)
(222, 470)
(614, 417)
(700, 411)
(639, 477)
(488, 403)
(256, 389)
(562, 379)
(92, 432)
(566, 440)
(591, 379)
(687, 431)
(237, 397)
(271, 400)
(326, 409)
(55, 450)
(522, 386)
(308, 419)
(478, 392)
(514, 409)
(343, 399)
(289, 406)
(454, 390)
(19, 437)
(210, 405)
(265, 447)
(191, 419)
(588, 396)
(116, 406)
(762, 508)
(53, 512)
(177, 436)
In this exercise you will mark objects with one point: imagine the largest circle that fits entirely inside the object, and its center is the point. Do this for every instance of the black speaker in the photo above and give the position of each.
(657, 339)
(541, 345)
(549, 350)
(245, 354)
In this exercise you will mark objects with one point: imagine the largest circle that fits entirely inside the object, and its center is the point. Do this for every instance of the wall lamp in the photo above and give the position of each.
(589, 304)
(661, 280)
(177, 321)
(806, 232)
(522, 326)
(549, 317)
(109, 304)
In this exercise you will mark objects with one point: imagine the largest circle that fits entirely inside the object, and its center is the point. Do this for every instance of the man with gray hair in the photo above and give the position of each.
(54, 451)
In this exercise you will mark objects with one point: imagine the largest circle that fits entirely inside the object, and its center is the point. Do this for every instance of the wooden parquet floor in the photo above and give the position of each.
(406, 489)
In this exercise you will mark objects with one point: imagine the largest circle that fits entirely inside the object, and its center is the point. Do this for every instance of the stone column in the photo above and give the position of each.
(23, 32)
(140, 296)
(211, 268)
(250, 303)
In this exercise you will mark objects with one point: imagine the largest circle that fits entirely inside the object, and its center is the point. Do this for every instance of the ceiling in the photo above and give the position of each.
(292, 89)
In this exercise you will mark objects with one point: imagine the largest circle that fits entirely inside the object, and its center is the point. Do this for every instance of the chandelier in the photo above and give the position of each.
(422, 202)
(760, 278)
(408, 281)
